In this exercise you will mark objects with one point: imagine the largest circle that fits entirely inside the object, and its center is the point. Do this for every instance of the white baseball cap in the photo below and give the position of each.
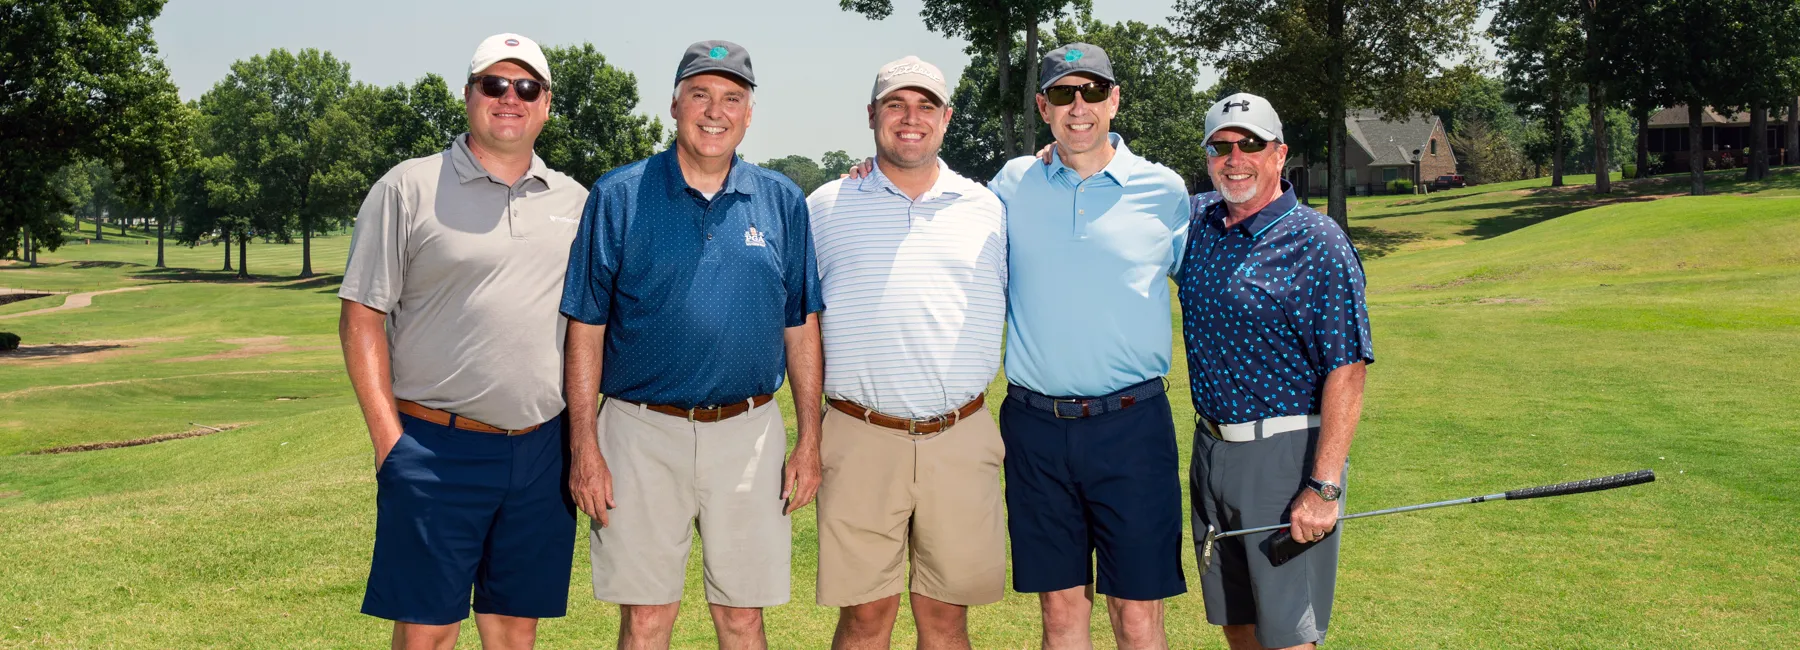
(910, 72)
(504, 47)
(1247, 112)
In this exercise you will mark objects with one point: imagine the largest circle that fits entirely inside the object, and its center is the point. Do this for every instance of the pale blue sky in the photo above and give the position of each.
(814, 62)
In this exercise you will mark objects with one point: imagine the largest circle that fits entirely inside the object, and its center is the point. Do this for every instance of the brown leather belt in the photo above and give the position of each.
(706, 413)
(448, 419)
(923, 426)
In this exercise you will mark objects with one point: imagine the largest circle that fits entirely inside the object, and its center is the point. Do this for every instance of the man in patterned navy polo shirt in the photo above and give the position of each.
(692, 285)
(1277, 339)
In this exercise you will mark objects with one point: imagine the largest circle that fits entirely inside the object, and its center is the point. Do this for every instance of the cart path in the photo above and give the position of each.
(74, 301)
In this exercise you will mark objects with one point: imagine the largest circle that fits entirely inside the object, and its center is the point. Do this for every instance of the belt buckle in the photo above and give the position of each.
(1056, 410)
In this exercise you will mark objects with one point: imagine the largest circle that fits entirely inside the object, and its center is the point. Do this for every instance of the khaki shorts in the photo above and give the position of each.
(886, 490)
(670, 474)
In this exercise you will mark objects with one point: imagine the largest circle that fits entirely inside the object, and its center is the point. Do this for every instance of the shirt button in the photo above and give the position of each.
(1081, 212)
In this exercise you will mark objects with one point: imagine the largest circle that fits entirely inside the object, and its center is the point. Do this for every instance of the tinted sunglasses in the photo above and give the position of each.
(528, 89)
(1092, 92)
(1221, 148)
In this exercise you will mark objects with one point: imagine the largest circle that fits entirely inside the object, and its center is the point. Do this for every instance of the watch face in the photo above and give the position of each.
(1330, 491)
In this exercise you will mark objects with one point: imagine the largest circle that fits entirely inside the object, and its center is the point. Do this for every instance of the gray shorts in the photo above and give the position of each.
(671, 476)
(1248, 484)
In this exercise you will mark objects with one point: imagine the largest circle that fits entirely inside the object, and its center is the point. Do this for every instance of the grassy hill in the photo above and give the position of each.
(1564, 343)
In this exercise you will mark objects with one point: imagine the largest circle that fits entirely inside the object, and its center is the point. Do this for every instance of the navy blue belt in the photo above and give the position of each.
(1075, 408)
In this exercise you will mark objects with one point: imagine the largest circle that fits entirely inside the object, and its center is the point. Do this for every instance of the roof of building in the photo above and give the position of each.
(1677, 116)
(1390, 142)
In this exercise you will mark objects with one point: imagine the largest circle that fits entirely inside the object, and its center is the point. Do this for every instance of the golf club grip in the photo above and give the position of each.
(1589, 485)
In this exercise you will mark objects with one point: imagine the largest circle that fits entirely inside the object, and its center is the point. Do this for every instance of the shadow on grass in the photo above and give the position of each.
(196, 275)
(101, 264)
(10, 298)
(322, 283)
(34, 352)
(1372, 242)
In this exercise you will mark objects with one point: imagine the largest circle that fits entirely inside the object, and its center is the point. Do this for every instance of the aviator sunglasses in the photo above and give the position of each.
(1092, 92)
(528, 89)
(1221, 148)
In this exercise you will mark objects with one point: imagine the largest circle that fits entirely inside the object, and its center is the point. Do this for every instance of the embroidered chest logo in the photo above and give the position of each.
(753, 237)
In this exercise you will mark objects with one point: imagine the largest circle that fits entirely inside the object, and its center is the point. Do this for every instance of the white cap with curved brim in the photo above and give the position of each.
(510, 47)
(1244, 111)
(910, 72)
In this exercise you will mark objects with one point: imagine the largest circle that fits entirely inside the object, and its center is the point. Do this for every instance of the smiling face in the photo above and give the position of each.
(1079, 126)
(909, 128)
(505, 123)
(711, 113)
(1246, 177)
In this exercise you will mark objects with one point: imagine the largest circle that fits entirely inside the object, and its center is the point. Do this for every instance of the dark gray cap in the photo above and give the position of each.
(716, 56)
(1072, 58)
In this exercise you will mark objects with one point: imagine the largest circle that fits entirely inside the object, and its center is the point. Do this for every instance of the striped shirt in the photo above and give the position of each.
(916, 289)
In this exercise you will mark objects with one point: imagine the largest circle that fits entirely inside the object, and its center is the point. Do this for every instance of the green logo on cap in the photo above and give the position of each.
(1074, 55)
(718, 52)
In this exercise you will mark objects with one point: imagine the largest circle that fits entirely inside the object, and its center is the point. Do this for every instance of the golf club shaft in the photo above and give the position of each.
(1572, 487)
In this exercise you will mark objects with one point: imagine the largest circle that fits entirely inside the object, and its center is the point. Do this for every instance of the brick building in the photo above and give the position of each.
(1414, 149)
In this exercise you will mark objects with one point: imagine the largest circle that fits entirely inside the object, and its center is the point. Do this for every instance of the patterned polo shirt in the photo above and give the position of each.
(1090, 260)
(695, 294)
(917, 291)
(1269, 307)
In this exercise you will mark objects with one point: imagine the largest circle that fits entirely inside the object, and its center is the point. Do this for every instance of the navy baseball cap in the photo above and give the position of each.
(716, 56)
(1072, 58)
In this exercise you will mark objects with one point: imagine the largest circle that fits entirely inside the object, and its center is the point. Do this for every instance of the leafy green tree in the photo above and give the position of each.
(1540, 43)
(86, 186)
(407, 122)
(835, 163)
(592, 128)
(1317, 58)
(801, 170)
(1766, 77)
(71, 73)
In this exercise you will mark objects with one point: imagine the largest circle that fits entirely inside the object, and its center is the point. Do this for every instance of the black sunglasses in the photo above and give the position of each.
(528, 89)
(1221, 148)
(1092, 92)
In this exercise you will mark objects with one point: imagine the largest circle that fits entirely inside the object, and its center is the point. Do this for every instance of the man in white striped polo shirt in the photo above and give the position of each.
(912, 260)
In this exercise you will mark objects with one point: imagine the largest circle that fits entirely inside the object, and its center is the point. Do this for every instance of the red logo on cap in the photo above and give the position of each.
(513, 42)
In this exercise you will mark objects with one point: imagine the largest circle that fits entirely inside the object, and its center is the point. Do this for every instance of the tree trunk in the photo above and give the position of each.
(1793, 132)
(98, 217)
(1643, 142)
(225, 234)
(1602, 153)
(1557, 141)
(1759, 148)
(1696, 157)
(243, 262)
(1009, 142)
(305, 251)
(1337, 203)
(1028, 113)
(29, 259)
(1305, 184)
(159, 245)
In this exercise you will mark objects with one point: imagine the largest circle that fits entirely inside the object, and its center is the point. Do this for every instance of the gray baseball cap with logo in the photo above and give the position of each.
(716, 56)
(1073, 58)
(910, 72)
(1245, 111)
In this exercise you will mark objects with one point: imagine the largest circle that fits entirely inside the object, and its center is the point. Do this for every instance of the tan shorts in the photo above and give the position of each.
(670, 474)
(886, 490)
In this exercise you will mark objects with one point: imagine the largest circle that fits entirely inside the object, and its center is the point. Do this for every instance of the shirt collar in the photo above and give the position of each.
(948, 182)
(1119, 169)
(736, 180)
(1275, 211)
(468, 168)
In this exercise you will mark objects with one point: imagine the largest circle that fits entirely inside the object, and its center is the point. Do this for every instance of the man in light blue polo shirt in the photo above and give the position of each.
(1091, 466)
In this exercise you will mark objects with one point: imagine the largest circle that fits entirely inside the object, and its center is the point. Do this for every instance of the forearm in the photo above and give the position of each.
(363, 335)
(1341, 407)
(806, 376)
(583, 349)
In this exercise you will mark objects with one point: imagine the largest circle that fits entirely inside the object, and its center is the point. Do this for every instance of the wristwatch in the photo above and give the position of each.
(1327, 490)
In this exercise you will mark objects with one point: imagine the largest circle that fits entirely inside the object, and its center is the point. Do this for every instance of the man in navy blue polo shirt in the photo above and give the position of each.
(1277, 337)
(691, 283)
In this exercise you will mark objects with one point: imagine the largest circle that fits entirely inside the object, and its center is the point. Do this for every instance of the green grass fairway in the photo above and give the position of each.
(1525, 336)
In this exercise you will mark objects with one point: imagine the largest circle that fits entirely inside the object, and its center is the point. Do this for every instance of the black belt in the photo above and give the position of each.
(1075, 408)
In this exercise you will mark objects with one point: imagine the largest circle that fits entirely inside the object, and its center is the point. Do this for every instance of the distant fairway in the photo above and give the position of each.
(1521, 340)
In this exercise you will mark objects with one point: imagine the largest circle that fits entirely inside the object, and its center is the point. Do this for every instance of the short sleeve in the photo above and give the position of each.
(594, 260)
(1335, 315)
(1177, 212)
(376, 270)
(800, 271)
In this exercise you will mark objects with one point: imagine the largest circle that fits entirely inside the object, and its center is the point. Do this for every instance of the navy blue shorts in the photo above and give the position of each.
(459, 510)
(1108, 486)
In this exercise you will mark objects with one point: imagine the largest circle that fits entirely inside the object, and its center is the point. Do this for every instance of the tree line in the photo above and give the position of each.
(283, 148)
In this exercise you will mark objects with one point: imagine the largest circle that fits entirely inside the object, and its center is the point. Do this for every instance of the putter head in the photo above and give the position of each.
(1206, 548)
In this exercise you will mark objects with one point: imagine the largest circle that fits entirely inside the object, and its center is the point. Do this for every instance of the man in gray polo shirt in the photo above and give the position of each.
(459, 257)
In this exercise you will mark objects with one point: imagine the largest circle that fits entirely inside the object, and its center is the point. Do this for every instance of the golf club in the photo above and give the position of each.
(1282, 547)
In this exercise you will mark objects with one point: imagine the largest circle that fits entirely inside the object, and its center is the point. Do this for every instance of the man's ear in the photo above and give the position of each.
(1043, 108)
(871, 117)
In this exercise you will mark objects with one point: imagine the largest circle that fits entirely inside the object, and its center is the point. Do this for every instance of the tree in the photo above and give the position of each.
(1541, 46)
(150, 146)
(592, 128)
(1766, 74)
(70, 72)
(86, 186)
(801, 170)
(1317, 58)
(835, 163)
(990, 27)
(407, 122)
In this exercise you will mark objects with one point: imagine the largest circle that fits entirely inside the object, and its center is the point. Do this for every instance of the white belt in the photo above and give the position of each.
(1260, 429)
